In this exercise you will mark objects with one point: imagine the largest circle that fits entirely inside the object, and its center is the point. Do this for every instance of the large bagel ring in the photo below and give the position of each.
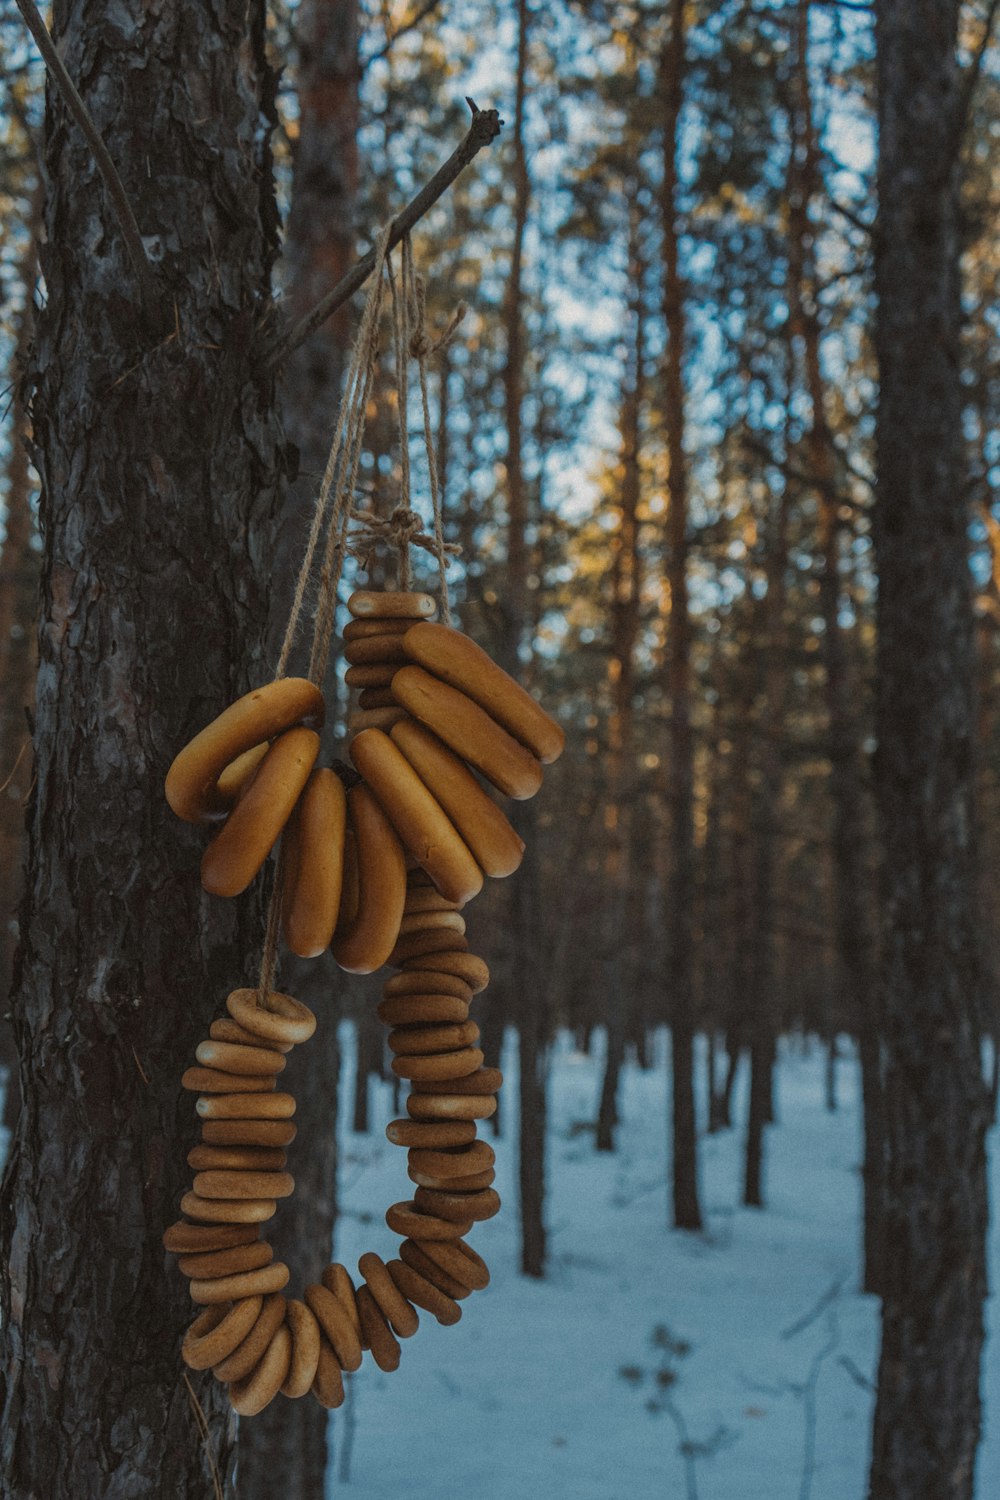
(192, 784)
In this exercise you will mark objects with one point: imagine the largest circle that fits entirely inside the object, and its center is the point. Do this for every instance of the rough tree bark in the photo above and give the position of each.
(927, 1413)
(159, 457)
(290, 1437)
(18, 597)
(686, 1209)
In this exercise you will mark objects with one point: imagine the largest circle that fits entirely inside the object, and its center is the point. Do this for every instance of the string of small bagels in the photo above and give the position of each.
(375, 862)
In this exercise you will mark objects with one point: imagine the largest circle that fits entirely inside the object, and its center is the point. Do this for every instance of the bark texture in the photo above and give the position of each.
(927, 1416)
(159, 457)
(686, 1209)
(18, 603)
(290, 1437)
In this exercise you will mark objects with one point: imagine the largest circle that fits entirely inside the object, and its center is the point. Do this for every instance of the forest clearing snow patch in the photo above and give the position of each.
(548, 1388)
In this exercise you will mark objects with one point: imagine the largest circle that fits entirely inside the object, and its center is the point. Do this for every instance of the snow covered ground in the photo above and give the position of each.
(546, 1389)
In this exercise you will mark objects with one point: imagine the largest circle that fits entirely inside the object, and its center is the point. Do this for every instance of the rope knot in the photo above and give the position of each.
(405, 524)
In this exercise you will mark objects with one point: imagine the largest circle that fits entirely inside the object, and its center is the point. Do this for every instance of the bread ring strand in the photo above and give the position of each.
(469, 731)
(246, 838)
(457, 660)
(493, 842)
(419, 819)
(314, 865)
(192, 784)
(366, 937)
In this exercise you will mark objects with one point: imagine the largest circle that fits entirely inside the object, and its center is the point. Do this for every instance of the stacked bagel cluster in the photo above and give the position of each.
(378, 863)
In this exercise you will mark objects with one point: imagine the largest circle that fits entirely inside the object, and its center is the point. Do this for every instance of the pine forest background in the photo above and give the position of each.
(656, 435)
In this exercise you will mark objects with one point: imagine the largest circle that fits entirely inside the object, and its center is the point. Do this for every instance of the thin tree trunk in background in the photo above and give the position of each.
(928, 1406)
(369, 1038)
(290, 1437)
(526, 890)
(712, 924)
(686, 1210)
(765, 833)
(616, 938)
(159, 460)
(856, 974)
(18, 659)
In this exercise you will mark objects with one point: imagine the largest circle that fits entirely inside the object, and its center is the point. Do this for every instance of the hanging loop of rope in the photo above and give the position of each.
(334, 509)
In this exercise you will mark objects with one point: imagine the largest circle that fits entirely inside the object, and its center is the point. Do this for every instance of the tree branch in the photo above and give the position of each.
(404, 27)
(485, 127)
(971, 77)
(123, 209)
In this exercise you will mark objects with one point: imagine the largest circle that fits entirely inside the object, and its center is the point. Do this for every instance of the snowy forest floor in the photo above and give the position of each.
(546, 1388)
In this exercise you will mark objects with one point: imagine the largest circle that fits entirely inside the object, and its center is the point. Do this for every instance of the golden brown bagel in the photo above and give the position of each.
(366, 603)
(239, 771)
(468, 967)
(256, 1390)
(246, 838)
(489, 835)
(314, 864)
(417, 816)
(374, 718)
(371, 675)
(192, 782)
(375, 649)
(280, 1021)
(367, 935)
(458, 661)
(362, 630)
(468, 730)
(302, 1325)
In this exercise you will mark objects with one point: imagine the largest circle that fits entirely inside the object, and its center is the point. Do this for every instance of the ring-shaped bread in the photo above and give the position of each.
(250, 832)
(192, 784)
(367, 934)
(314, 864)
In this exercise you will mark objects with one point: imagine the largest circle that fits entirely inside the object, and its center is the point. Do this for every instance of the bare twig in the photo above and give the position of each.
(116, 191)
(971, 76)
(206, 1437)
(485, 127)
(420, 14)
(831, 1294)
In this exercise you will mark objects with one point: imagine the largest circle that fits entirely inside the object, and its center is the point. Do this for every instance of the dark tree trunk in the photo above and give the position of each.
(765, 836)
(685, 1207)
(526, 890)
(853, 894)
(616, 935)
(159, 461)
(927, 1414)
(18, 614)
(290, 1437)
(368, 1041)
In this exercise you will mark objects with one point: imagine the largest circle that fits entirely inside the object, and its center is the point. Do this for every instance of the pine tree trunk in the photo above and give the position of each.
(855, 939)
(616, 935)
(290, 1437)
(685, 1207)
(18, 611)
(159, 458)
(527, 946)
(927, 1414)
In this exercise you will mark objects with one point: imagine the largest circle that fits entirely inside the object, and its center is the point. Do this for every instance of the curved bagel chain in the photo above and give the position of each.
(379, 872)
(449, 705)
